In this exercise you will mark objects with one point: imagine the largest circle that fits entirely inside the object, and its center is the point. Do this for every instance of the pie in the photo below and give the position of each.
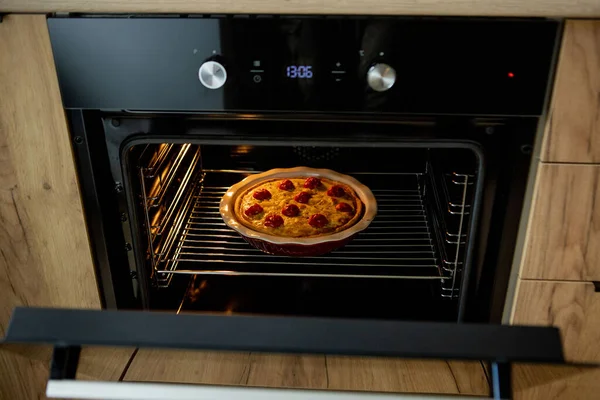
(299, 207)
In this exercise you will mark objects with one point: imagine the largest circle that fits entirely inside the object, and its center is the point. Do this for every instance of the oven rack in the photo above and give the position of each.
(397, 245)
(446, 198)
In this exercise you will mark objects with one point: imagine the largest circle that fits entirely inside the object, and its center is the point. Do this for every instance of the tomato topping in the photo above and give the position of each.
(317, 220)
(302, 197)
(344, 207)
(286, 185)
(336, 191)
(253, 210)
(262, 194)
(312, 182)
(291, 210)
(273, 221)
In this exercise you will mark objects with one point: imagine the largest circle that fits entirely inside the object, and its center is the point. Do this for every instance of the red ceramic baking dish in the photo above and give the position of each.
(304, 246)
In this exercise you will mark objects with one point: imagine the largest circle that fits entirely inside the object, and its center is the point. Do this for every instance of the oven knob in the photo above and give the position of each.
(212, 74)
(381, 77)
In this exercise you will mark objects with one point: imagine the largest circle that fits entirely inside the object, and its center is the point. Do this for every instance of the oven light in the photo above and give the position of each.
(242, 149)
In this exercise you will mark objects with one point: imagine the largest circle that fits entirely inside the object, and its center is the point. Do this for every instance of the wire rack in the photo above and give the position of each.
(397, 245)
(449, 209)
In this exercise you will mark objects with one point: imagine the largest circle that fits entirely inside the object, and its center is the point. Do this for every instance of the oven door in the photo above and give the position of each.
(67, 330)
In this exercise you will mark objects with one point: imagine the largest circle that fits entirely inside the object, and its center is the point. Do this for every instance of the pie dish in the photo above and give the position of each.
(298, 211)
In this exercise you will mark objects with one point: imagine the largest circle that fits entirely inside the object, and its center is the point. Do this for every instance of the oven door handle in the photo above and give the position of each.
(94, 390)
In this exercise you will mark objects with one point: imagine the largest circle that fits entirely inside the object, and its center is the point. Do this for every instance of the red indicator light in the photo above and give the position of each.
(511, 75)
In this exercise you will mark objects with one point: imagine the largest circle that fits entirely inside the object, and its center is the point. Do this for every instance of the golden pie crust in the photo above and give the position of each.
(298, 227)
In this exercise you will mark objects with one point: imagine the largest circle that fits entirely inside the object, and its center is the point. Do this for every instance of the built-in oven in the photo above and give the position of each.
(436, 116)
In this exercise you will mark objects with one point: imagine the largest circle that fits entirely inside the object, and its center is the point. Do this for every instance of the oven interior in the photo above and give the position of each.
(407, 265)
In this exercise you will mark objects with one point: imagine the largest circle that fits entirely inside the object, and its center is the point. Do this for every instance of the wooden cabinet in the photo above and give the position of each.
(553, 382)
(562, 246)
(45, 253)
(45, 257)
(573, 130)
(310, 372)
(563, 240)
(490, 8)
(574, 307)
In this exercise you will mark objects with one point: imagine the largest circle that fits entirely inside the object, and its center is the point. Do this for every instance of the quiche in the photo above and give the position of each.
(299, 207)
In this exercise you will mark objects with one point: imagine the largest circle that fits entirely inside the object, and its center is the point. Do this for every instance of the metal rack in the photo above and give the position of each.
(449, 208)
(397, 245)
(167, 185)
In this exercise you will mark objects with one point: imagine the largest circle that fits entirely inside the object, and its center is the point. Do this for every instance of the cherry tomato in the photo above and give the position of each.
(344, 207)
(312, 182)
(273, 221)
(286, 185)
(302, 197)
(262, 194)
(253, 210)
(291, 210)
(317, 220)
(336, 191)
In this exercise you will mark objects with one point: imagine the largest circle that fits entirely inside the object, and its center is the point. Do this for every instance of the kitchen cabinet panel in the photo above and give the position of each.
(555, 382)
(499, 8)
(564, 230)
(228, 368)
(45, 257)
(22, 378)
(401, 375)
(103, 363)
(309, 371)
(288, 371)
(573, 307)
(208, 367)
(24, 369)
(573, 130)
(45, 253)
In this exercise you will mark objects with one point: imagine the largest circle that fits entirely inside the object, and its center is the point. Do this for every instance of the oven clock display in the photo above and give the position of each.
(299, 71)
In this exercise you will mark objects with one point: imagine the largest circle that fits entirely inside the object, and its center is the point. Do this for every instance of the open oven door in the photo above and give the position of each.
(67, 330)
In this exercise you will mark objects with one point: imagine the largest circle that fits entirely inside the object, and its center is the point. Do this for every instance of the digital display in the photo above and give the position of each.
(299, 71)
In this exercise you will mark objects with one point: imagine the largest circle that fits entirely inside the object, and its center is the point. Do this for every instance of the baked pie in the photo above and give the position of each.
(299, 207)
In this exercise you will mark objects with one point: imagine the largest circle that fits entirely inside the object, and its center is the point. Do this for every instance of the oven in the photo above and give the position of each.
(436, 116)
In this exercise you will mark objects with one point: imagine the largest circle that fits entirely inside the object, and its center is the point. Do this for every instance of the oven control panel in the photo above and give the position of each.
(266, 63)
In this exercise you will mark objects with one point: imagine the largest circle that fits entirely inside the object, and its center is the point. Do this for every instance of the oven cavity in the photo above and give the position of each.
(416, 243)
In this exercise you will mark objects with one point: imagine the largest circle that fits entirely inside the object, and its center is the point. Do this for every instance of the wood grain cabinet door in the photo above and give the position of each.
(45, 257)
(573, 131)
(563, 240)
(573, 307)
(373, 374)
